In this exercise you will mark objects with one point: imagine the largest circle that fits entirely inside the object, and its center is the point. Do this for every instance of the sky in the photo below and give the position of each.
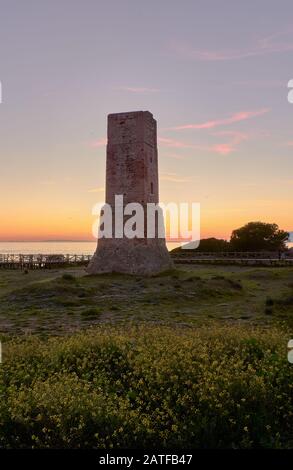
(213, 73)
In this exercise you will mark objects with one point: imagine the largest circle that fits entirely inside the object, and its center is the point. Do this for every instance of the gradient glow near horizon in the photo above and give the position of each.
(213, 73)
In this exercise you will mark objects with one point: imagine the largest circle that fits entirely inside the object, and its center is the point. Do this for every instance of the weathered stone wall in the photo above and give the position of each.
(132, 159)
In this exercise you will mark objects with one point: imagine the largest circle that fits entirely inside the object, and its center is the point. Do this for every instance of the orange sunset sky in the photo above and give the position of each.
(217, 87)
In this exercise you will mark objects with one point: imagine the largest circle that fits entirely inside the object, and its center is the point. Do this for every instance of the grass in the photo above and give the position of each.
(192, 358)
(54, 302)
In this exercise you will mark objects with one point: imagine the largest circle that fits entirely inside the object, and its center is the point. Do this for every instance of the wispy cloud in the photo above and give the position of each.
(222, 149)
(173, 143)
(237, 117)
(99, 143)
(234, 138)
(277, 42)
(174, 178)
(96, 190)
(138, 90)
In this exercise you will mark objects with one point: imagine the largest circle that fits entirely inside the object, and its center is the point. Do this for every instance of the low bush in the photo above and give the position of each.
(148, 386)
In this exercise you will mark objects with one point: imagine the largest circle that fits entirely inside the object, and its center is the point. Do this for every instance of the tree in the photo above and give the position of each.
(206, 245)
(213, 245)
(256, 236)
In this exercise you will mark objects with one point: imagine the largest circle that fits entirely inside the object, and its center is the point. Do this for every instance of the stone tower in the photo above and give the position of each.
(131, 171)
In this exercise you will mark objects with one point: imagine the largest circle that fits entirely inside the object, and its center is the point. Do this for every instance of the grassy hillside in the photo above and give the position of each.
(55, 302)
(189, 359)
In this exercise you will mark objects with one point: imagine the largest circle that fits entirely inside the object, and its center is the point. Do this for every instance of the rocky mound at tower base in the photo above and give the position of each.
(129, 257)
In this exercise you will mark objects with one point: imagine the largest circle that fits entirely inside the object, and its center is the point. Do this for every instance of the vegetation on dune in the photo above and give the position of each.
(254, 237)
(210, 245)
(148, 386)
(66, 301)
(51, 303)
(144, 385)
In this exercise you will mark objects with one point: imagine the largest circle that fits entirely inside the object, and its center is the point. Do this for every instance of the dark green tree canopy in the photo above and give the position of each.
(213, 245)
(256, 236)
(206, 245)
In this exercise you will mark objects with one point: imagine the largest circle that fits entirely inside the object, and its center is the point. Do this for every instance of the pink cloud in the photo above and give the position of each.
(237, 117)
(221, 148)
(99, 143)
(174, 178)
(268, 45)
(165, 142)
(234, 138)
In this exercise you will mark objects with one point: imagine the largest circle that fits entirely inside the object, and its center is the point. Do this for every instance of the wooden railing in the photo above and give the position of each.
(47, 261)
(255, 258)
(235, 261)
(38, 261)
(230, 254)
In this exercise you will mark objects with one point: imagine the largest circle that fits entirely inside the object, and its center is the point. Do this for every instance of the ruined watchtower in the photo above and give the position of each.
(132, 172)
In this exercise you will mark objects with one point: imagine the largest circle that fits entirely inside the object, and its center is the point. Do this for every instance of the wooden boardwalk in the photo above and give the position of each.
(42, 261)
(254, 258)
(236, 261)
(49, 261)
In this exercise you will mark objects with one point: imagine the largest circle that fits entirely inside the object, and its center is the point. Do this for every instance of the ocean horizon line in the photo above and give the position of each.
(47, 241)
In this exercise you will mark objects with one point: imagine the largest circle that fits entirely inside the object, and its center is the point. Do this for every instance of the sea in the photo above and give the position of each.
(48, 248)
(58, 247)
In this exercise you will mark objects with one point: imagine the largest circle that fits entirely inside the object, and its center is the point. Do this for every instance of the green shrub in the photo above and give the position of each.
(68, 277)
(148, 386)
